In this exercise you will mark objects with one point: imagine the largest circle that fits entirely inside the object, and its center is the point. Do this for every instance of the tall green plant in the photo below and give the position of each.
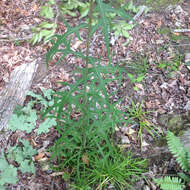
(86, 119)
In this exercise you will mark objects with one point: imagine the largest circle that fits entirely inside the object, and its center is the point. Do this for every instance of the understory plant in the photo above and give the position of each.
(182, 155)
(86, 118)
(24, 118)
(47, 28)
(21, 155)
(137, 113)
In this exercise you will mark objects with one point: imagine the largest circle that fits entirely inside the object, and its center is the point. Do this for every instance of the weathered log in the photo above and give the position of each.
(13, 94)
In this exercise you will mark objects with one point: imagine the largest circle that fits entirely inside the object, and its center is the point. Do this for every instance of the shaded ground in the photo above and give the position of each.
(164, 89)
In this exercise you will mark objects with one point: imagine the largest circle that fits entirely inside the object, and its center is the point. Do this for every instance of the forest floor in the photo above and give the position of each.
(154, 51)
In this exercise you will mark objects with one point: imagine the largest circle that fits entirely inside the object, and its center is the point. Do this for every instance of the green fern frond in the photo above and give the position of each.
(179, 152)
(170, 183)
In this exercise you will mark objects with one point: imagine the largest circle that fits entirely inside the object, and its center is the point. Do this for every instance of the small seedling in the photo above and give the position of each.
(137, 112)
(171, 65)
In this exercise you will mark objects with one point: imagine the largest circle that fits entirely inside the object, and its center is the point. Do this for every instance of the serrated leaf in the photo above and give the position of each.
(48, 36)
(44, 127)
(15, 153)
(47, 93)
(9, 175)
(3, 162)
(104, 24)
(2, 187)
(23, 122)
(84, 10)
(28, 150)
(47, 12)
(27, 166)
(170, 183)
(47, 25)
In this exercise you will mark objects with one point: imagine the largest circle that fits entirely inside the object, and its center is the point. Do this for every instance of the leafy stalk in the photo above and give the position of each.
(85, 98)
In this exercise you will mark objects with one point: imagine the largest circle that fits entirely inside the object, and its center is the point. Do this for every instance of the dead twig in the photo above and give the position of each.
(139, 13)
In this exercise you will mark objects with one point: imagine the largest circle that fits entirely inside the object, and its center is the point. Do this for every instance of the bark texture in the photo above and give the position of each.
(13, 94)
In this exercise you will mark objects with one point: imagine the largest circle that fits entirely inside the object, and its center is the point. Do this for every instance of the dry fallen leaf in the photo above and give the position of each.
(149, 105)
(144, 143)
(139, 86)
(77, 44)
(85, 159)
(39, 156)
(57, 174)
(33, 143)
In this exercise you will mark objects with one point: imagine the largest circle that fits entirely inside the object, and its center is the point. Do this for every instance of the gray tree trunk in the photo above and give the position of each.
(13, 94)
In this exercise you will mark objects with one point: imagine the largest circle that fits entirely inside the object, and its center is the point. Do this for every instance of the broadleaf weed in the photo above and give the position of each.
(22, 155)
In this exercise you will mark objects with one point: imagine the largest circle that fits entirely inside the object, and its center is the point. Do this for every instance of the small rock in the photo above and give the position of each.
(146, 187)
(111, 187)
(187, 59)
(187, 106)
(125, 140)
(144, 143)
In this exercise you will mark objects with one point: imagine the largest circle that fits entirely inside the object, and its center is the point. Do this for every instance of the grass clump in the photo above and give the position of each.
(86, 120)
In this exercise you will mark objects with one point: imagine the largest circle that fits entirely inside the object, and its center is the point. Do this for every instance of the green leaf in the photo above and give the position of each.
(9, 175)
(51, 2)
(44, 127)
(28, 150)
(27, 166)
(47, 25)
(135, 88)
(47, 12)
(3, 162)
(125, 34)
(131, 76)
(25, 122)
(16, 154)
(162, 65)
(140, 78)
(170, 183)
(178, 150)
(2, 187)
(187, 63)
(131, 7)
(84, 10)
(104, 24)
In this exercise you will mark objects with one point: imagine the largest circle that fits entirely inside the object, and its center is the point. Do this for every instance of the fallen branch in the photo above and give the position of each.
(139, 13)
(9, 39)
(180, 30)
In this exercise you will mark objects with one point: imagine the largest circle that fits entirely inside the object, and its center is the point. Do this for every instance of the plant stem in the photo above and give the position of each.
(85, 99)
